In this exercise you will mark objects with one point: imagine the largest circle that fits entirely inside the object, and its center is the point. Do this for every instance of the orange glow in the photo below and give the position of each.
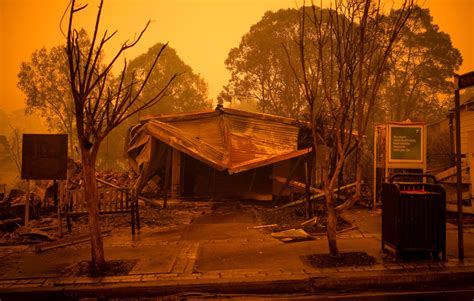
(202, 31)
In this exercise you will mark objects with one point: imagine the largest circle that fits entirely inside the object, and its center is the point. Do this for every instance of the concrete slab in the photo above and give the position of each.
(54, 263)
(273, 255)
(366, 220)
(222, 232)
(452, 245)
(226, 222)
(144, 236)
(162, 262)
(46, 264)
(226, 213)
(151, 259)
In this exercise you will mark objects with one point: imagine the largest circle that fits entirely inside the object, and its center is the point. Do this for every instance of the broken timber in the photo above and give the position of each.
(444, 175)
(10, 221)
(262, 227)
(118, 187)
(338, 232)
(314, 197)
(295, 184)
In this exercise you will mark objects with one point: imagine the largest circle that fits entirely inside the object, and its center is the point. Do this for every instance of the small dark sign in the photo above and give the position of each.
(44, 157)
(466, 80)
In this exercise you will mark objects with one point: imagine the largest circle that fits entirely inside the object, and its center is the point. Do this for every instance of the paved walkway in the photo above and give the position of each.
(218, 252)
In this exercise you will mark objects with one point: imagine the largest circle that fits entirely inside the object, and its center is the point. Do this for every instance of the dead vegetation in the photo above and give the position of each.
(294, 218)
(112, 268)
(343, 260)
(44, 229)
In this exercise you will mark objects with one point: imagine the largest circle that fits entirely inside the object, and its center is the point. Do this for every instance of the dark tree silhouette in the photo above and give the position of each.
(342, 82)
(101, 105)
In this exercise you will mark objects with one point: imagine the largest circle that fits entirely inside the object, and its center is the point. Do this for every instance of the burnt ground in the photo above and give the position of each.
(44, 228)
(343, 260)
(218, 228)
(293, 217)
(112, 268)
(151, 215)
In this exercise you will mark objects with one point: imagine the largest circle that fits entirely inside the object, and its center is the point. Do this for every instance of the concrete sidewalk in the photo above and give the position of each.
(218, 253)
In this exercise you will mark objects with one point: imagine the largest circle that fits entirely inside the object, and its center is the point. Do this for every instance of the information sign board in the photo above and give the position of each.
(44, 157)
(406, 145)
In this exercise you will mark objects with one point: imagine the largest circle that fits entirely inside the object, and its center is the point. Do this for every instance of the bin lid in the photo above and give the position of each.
(418, 192)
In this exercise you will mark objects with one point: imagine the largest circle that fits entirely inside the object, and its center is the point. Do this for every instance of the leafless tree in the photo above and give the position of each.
(341, 83)
(14, 147)
(101, 104)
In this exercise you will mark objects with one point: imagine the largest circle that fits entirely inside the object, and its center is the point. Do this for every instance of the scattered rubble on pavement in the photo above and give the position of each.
(294, 218)
(43, 224)
(291, 235)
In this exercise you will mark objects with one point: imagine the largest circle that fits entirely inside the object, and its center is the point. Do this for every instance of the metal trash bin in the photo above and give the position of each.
(414, 216)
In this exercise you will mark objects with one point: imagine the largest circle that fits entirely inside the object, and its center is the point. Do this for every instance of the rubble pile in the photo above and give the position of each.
(121, 179)
(38, 230)
(294, 218)
(74, 175)
(16, 196)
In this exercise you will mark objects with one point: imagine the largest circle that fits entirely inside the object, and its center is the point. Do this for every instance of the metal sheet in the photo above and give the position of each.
(225, 138)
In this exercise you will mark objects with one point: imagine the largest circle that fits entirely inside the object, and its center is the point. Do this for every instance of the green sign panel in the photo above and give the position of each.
(406, 143)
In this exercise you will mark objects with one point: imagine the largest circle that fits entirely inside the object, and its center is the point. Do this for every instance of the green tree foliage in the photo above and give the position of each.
(418, 82)
(189, 91)
(260, 69)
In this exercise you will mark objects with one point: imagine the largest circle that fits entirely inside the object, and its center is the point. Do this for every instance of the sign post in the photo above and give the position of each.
(44, 157)
(402, 146)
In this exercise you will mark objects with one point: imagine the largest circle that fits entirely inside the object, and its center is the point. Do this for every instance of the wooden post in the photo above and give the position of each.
(59, 206)
(132, 212)
(307, 172)
(27, 203)
(470, 161)
(213, 184)
(452, 156)
(137, 217)
(167, 177)
(457, 111)
(374, 193)
(175, 173)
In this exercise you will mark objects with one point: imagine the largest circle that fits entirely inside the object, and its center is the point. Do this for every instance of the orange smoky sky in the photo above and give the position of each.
(201, 31)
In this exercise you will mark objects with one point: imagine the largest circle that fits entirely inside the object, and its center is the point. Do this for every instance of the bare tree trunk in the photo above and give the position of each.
(92, 197)
(308, 168)
(332, 218)
(331, 225)
(358, 179)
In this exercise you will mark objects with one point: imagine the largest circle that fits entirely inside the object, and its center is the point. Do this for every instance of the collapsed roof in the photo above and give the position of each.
(226, 139)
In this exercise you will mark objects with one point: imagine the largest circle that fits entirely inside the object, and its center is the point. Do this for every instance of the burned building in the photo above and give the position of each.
(224, 153)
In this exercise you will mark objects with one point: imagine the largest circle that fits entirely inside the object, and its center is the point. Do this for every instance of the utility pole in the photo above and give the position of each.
(457, 114)
(460, 82)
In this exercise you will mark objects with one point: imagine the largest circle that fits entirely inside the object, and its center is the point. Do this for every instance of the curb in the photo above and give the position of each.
(395, 280)
(49, 289)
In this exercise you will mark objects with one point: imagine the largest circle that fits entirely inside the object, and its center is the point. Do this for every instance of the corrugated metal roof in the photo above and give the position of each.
(225, 138)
